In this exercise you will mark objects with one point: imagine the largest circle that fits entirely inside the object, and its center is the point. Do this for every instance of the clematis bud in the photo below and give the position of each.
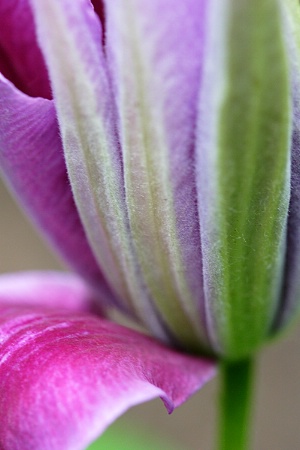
(177, 138)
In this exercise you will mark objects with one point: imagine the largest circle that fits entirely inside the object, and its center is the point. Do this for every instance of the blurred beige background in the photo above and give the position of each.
(192, 426)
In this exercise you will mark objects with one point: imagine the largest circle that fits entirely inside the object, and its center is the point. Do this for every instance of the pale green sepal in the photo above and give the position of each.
(253, 171)
(251, 180)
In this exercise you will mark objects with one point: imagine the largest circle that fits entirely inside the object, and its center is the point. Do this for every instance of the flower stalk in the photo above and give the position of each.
(235, 404)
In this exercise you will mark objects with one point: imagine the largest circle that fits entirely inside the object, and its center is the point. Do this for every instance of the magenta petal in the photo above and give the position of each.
(21, 60)
(64, 378)
(31, 158)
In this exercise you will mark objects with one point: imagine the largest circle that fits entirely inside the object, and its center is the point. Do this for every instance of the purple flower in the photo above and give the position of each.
(157, 160)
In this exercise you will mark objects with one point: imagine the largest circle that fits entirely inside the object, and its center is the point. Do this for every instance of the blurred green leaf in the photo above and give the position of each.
(127, 437)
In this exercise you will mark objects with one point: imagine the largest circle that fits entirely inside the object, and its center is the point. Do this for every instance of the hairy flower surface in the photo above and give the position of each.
(156, 144)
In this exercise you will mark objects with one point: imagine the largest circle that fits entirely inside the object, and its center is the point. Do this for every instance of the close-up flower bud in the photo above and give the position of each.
(156, 146)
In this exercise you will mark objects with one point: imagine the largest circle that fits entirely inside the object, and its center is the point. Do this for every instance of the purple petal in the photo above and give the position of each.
(290, 305)
(32, 160)
(21, 60)
(64, 378)
(85, 107)
(154, 51)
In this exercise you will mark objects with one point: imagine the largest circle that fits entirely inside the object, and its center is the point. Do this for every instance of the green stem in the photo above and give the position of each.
(235, 405)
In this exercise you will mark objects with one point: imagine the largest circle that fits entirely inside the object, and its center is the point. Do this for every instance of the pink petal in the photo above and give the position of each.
(51, 289)
(64, 378)
(21, 60)
(32, 160)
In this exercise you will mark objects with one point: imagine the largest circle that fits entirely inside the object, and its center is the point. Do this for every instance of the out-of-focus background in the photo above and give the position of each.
(191, 427)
